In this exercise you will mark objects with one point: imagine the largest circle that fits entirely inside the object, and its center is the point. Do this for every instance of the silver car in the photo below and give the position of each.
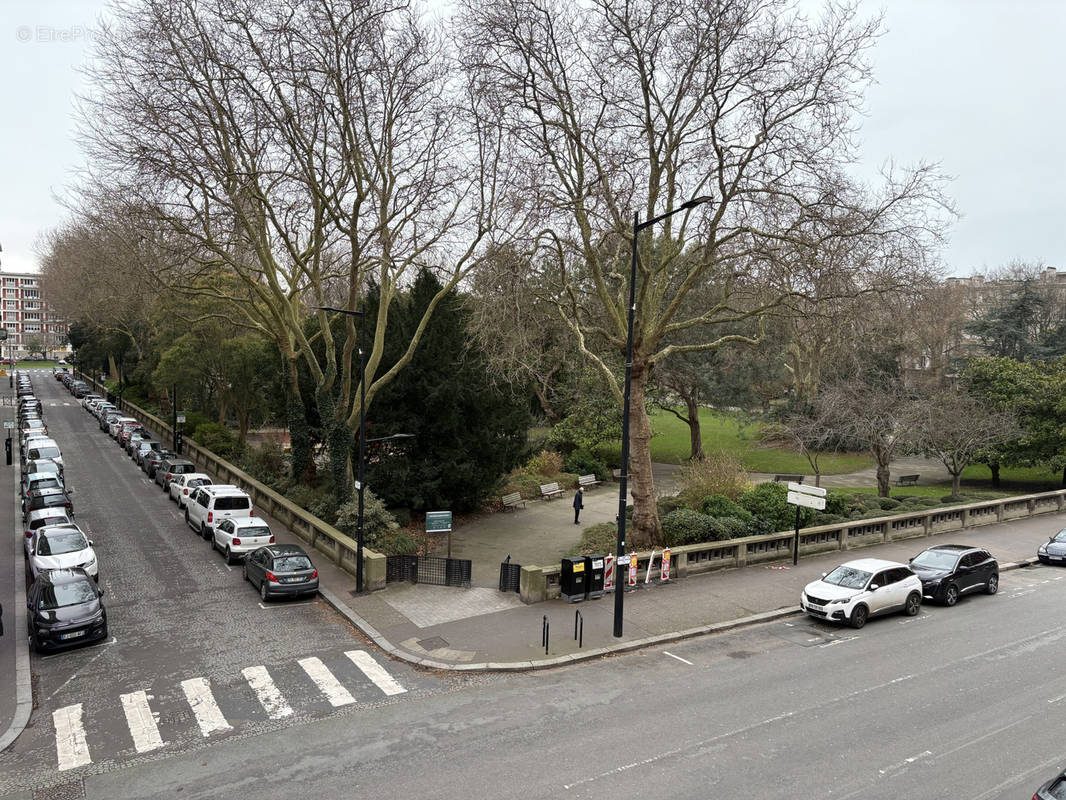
(1053, 551)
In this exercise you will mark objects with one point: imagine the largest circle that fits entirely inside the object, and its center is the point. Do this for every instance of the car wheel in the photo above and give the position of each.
(244, 572)
(229, 557)
(914, 604)
(35, 643)
(993, 583)
(187, 518)
(859, 616)
(263, 591)
(203, 531)
(951, 595)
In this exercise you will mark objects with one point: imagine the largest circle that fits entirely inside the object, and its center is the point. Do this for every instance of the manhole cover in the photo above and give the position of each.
(434, 643)
(72, 790)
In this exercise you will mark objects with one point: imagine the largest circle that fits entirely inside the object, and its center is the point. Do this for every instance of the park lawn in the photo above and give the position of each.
(1036, 479)
(937, 490)
(670, 444)
(38, 365)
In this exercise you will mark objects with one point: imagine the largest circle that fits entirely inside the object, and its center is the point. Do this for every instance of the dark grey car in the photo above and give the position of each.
(1053, 551)
(281, 569)
(169, 467)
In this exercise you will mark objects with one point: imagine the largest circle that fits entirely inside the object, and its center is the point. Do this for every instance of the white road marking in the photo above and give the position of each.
(143, 725)
(373, 670)
(1057, 699)
(679, 658)
(72, 749)
(839, 641)
(267, 692)
(208, 715)
(905, 762)
(326, 681)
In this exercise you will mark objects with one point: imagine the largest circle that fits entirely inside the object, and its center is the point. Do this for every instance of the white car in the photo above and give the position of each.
(62, 547)
(235, 537)
(40, 518)
(117, 424)
(858, 590)
(209, 505)
(181, 486)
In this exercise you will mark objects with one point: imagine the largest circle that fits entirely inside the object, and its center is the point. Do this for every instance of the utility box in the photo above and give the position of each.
(594, 577)
(572, 579)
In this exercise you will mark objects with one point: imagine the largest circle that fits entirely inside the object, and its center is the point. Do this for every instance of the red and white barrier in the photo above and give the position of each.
(608, 573)
(664, 573)
(632, 569)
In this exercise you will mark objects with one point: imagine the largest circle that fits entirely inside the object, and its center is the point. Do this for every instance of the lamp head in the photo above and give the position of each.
(697, 201)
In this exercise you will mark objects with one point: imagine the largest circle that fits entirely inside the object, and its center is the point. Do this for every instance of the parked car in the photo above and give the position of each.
(858, 590)
(1054, 789)
(107, 418)
(38, 480)
(117, 425)
(43, 465)
(135, 439)
(42, 517)
(281, 569)
(181, 486)
(235, 537)
(1053, 551)
(48, 498)
(79, 389)
(62, 547)
(144, 446)
(65, 609)
(169, 467)
(126, 431)
(208, 505)
(43, 448)
(948, 571)
(151, 461)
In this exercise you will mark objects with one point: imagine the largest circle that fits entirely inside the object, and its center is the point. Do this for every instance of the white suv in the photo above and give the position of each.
(858, 590)
(209, 504)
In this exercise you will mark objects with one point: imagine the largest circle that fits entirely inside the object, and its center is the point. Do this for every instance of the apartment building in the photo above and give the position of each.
(26, 316)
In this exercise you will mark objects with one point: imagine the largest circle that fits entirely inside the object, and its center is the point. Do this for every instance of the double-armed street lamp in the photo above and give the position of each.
(623, 480)
(363, 441)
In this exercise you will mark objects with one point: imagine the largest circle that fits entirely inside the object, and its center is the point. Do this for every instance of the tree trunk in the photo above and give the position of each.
(647, 532)
(884, 487)
(302, 465)
(956, 481)
(695, 435)
(995, 475)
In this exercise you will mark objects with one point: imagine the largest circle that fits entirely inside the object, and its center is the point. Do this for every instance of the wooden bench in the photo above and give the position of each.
(907, 480)
(783, 478)
(550, 490)
(512, 501)
(588, 481)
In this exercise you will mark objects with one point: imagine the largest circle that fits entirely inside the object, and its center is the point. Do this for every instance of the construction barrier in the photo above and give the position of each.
(664, 573)
(608, 574)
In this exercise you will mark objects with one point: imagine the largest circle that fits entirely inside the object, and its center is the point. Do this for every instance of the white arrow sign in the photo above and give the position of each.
(808, 500)
(803, 488)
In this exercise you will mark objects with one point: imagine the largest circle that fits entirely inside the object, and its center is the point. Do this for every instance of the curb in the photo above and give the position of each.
(23, 680)
(573, 658)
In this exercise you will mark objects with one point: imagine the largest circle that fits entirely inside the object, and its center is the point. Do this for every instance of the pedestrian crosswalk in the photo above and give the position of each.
(143, 714)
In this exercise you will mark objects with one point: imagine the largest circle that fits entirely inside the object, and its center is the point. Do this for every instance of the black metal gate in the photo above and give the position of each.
(510, 576)
(435, 571)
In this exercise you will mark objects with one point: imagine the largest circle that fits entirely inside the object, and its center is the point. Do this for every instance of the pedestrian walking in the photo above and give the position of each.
(578, 503)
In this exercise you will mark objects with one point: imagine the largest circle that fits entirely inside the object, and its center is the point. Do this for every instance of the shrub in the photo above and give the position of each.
(219, 439)
(769, 501)
(601, 538)
(664, 505)
(526, 485)
(544, 463)
(718, 473)
(836, 502)
(829, 519)
(303, 495)
(928, 502)
(685, 526)
(266, 463)
(583, 462)
(888, 503)
(397, 542)
(377, 521)
(718, 505)
(193, 420)
(735, 529)
(325, 508)
(757, 526)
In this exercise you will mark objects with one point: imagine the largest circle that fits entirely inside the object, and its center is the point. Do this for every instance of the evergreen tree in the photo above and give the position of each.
(466, 430)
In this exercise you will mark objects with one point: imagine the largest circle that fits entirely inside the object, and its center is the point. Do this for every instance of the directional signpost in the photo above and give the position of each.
(800, 495)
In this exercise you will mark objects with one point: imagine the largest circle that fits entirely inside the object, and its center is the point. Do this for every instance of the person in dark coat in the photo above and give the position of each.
(578, 503)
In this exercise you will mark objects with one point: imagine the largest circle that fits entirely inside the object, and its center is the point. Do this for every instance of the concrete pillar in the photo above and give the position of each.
(533, 587)
(373, 570)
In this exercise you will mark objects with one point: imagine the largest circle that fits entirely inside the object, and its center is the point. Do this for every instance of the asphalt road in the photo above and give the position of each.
(184, 629)
(966, 702)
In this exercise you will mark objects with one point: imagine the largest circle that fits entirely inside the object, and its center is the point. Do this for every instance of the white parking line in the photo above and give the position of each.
(208, 714)
(373, 670)
(267, 692)
(679, 658)
(293, 604)
(326, 681)
(142, 722)
(72, 749)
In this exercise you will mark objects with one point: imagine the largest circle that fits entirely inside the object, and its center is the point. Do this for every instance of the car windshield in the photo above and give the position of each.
(291, 563)
(47, 452)
(1060, 536)
(259, 530)
(66, 594)
(45, 483)
(935, 559)
(58, 543)
(198, 482)
(40, 523)
(848, 577)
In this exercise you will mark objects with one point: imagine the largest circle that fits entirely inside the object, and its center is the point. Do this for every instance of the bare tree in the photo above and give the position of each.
(616, 108)
(955, 429)
(810, 430)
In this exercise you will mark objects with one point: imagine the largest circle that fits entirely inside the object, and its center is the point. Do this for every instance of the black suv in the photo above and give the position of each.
(950, 570)
(65, 610)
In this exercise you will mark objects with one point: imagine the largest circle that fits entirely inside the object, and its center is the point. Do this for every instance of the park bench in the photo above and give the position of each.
(783, 478)
(512, 501)
(550, 490)
(588, 481)
(907, 480)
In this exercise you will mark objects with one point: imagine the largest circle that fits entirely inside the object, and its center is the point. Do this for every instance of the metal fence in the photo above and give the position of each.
(510, 576)
(435, 571)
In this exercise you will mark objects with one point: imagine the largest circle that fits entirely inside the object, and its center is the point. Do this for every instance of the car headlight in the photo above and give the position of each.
(838, 602)
(1042, 549)
(88, 563)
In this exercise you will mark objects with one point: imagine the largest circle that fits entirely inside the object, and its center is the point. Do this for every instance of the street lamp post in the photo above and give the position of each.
(623, 479)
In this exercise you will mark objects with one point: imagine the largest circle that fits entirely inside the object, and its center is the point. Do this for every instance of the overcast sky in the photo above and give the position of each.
(975, 85)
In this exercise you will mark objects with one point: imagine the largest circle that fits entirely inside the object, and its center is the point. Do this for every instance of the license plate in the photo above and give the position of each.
(72, 635)
(293, 580)
(1055, 558)
(813, 607)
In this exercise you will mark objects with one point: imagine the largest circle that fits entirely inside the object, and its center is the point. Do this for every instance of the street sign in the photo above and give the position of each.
(805, 489)
(808, 500)
(438, 521)
(181, 419)
(9, 423)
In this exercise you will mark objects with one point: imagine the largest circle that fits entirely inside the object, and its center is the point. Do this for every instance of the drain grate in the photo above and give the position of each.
(433, 643)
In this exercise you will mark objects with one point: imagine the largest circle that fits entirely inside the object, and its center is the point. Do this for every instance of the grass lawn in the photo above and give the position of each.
(670, 444)
(1034, 479)
(937, 490)
(38, 365)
